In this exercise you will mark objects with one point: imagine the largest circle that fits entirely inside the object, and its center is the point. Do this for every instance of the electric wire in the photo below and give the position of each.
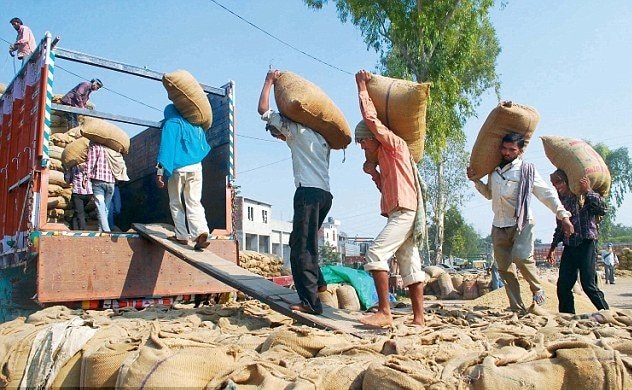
(280, 40)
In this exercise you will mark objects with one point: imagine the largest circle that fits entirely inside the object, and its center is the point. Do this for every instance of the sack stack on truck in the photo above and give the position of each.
(58, 122)
(507, 117)
(578, 159)
(304, 102)
(2, 88)
(264, 264)
(401, 106)
(188, 97)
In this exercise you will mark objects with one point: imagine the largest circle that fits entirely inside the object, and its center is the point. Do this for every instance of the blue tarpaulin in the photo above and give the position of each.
(361, 281)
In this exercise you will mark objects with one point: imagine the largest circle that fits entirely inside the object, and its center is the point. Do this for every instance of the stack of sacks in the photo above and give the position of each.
(264, 264)
(439, 283)
(401, 106)
(505, 118)
(305, 103)
(58, 122)
(578, 159)
(188, 97)
(625, 259)
(2, 88)
(59, 192)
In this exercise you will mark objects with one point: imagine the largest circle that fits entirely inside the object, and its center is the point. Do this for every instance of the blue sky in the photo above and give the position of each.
(569, 59)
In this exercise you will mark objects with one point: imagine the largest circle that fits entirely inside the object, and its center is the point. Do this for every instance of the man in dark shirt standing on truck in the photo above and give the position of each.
(78, 97)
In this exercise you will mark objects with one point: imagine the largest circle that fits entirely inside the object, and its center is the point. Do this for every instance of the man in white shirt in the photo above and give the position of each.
(510, 187)
(312, 199)
(610, 260)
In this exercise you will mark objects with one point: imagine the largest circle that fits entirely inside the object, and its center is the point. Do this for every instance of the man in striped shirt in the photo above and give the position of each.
(99, 172)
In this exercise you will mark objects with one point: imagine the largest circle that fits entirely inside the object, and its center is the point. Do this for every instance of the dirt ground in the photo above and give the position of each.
(619, 294)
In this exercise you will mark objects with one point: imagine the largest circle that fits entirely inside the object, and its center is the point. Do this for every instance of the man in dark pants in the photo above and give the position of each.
(81, 194)
(580, 248)
(312, 199)
(78, 97)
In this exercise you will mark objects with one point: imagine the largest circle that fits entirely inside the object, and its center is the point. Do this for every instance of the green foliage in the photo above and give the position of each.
(461, 240)
(619, 164)
(328, 255)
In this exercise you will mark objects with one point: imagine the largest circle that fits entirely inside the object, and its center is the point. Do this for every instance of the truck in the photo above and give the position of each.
(42, 262)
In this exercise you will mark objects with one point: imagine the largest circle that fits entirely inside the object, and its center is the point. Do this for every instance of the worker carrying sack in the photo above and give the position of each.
(305, 103)
(578, 159)
(506, 118)
(106, 133)
(188, 97)
(401, 106)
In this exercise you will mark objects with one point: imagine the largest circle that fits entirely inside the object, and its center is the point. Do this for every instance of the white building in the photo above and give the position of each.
(328, 234)
(257, 231)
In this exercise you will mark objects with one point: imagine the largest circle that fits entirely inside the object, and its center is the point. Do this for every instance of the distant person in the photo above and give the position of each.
(610, 261)
(580, 248)
(24, 43)
(397, 180)
(78, 97)
(183, 146)
(510, 187)
(312, 198)
(81, 194)
(99, 172)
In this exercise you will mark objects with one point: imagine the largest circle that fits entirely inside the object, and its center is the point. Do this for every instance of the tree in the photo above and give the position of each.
(620, 166)
(328, 254)
(449, 43)
(445, 189)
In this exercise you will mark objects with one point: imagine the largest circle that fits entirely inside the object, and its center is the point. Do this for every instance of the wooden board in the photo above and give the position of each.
(277, 297)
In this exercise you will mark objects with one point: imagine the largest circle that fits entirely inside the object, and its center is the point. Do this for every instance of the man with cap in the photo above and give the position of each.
(579, 252)
(78, 97)
(610, 261)
(401, 202)
(312, 199)
(24, 43)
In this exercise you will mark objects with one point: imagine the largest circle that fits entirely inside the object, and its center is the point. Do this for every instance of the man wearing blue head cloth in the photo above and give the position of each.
(183, 146)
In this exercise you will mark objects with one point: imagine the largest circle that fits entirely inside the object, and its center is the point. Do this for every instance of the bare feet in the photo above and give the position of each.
(418, 322)
(303, 309)
(378, 320)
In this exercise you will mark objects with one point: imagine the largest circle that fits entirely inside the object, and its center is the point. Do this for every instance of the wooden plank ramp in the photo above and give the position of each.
(279, 298)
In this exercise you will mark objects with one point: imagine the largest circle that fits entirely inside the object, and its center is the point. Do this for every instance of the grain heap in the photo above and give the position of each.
(246, 345)
(625, 259)
(264, 264)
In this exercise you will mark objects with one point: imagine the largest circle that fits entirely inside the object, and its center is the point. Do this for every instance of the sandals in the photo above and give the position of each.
(539, 298)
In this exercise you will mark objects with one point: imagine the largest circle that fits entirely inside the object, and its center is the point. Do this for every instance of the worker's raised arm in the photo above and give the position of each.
(264, 98)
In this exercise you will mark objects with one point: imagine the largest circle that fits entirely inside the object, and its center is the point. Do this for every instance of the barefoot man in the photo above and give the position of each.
(398, 182)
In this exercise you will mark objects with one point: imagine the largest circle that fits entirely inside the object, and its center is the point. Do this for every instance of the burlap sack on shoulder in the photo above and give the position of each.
(304, 102)
(106, 133)
(401, 106)
(188, 97)
(578, 159)
(2, 88)
(75, 153)
(507, 117)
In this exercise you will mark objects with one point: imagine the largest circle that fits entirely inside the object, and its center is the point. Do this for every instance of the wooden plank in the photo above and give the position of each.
(277, 297)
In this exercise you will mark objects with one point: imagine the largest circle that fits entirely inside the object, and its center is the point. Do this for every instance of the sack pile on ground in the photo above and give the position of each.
(340, 296)
(304, 102)
(247, 345)
(401, 106)
(467, 286)
(625, 259)
(505, 118)
(578, 159)
(188, 97)
(264, 264)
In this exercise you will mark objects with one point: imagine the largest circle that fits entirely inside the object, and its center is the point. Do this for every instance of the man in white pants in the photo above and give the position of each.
(183, 146)
(401, 199)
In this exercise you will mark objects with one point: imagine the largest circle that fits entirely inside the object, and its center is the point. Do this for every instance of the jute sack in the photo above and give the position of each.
(445, 284)
(55, 152)
(76, 152)
(507, 117)
(348, 298)
(470, 289)
(105, 133)
(415, 147)
(188, 97)
(578, 159)
(56, 177)
(2, 88)
(304, 102)
(434, 271)
(401, 106)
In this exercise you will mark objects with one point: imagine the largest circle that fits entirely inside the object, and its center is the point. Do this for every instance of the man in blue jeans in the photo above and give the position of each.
(99, 172)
